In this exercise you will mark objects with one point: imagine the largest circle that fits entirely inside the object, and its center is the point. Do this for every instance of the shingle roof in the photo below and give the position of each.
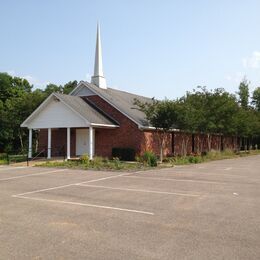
(85, 110)
(123, 101)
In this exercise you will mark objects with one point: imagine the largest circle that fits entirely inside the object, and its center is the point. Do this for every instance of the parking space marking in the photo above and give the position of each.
(228, 169)
(11, 168)
(140, 190)
(30, 175)
(176, 180)
(86, 205)
(68, 185)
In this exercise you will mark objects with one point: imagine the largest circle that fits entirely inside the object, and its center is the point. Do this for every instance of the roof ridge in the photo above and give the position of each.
(119, 90)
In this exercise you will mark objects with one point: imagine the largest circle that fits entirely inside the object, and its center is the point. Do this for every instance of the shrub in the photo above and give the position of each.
(228, 152)
(194, 159)
(149, 158)
(117, 162)
(85, 159)
(97, 162)
(124, 154)
(213, 154)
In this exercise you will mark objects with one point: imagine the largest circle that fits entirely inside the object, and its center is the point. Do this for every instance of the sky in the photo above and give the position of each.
(154, 48)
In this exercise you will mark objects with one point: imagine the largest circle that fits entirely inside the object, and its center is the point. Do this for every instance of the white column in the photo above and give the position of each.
(30, 144)
(90, 142)
(49, 144)
(68, 143)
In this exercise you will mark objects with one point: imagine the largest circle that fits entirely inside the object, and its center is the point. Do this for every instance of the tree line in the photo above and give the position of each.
(200, 111)
(18, 99)
(207, 112)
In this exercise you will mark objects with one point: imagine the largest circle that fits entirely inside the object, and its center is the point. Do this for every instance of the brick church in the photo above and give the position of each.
(93, 119)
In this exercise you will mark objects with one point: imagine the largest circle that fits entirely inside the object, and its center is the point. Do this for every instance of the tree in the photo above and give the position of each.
(68, 87)
(17, 102)
(50, 88)
(256, 99)
(161, 115)
(244, 93)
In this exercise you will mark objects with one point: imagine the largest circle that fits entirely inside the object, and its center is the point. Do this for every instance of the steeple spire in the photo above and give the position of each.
(98, 78)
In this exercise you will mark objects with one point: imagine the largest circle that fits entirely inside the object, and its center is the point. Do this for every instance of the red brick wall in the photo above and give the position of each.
(58, 140)
(181, 142)
(150, 142)
(127, 135)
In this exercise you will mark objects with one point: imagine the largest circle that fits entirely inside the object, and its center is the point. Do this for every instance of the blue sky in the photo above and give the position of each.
(156, 48)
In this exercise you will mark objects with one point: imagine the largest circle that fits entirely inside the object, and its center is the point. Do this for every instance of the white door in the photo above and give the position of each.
(82, 141)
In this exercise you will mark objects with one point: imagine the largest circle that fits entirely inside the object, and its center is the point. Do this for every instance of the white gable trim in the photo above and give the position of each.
(45, 103)
(37, 110)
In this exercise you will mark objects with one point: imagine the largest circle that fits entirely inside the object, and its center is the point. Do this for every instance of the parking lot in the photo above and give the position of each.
(203, 211)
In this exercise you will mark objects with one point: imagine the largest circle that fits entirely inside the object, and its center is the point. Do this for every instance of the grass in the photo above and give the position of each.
(3, 158)
(210, 156)
(98, 163)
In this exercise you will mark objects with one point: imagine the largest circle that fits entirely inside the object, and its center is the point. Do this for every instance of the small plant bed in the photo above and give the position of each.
(145, 162)
(98, 163)
(207, 157)
(3, 158)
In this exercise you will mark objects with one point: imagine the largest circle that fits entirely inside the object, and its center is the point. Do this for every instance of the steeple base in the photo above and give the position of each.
(99, 81)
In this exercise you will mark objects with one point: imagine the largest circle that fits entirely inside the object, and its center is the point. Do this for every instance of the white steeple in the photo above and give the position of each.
(98, 78)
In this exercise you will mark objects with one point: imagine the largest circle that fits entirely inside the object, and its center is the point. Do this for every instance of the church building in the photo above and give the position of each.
(93, 119)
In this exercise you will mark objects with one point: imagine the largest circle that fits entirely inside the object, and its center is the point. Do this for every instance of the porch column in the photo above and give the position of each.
(90, 142)
(68, 142)
(49, 144)
(30, 144)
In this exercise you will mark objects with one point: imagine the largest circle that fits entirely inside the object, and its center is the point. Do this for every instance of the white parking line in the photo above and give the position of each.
(172, 179)
(140, 190)
(30, 175)
(68, 185)
(228, 169)
(11, 168)
(86, 205)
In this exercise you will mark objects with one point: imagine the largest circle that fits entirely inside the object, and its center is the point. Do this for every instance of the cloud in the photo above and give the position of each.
(236, 77)
(252, 62)
(11, 73)
(31, 79)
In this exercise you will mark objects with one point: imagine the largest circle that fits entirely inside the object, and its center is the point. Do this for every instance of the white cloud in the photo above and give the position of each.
(236, 77)
(252, 62)
(11, 73)
(31, 79)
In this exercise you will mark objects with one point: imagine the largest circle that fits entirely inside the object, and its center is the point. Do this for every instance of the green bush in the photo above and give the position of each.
(124, 154)
(194, 159)
(149, 158)
(97, 162)
(85, 159)
(3, 156)
(117, 163)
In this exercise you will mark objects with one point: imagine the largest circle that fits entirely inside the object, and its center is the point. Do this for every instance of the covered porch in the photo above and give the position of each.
(68, 123)
(68, 142)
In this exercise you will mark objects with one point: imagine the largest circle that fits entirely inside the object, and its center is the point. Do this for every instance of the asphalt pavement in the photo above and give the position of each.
(202, 211)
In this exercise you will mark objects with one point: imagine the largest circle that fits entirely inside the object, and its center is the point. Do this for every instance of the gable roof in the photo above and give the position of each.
(86, 110)
(121, 100)
(79, 106)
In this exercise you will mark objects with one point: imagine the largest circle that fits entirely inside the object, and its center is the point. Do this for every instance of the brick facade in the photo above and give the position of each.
(128, 135)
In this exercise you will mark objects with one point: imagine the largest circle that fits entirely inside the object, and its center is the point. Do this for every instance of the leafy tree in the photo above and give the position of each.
(256, 99)
(68, 87)
(17, 102)
(50, 88)
(161, 115)
(244, 93)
